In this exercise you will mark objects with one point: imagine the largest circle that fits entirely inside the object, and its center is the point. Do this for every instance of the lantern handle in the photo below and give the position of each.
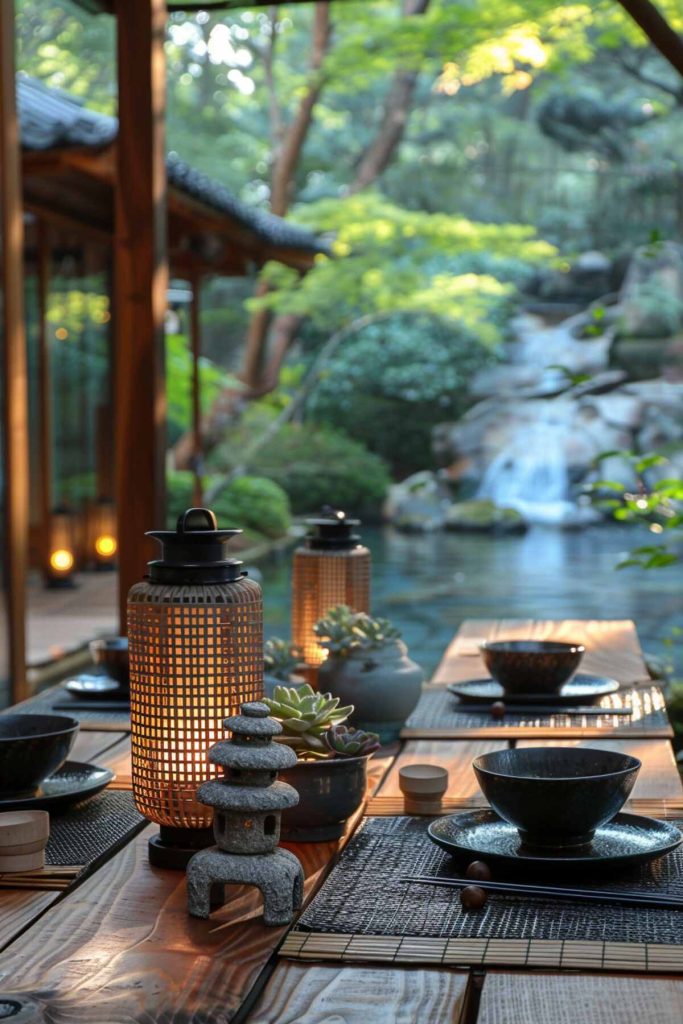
(197, 519)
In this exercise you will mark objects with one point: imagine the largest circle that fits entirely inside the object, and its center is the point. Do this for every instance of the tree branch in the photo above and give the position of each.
(658, 30)
(655, 83)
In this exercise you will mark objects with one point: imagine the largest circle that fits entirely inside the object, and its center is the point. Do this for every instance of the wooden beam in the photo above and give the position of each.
(140, 285)
(15, 391)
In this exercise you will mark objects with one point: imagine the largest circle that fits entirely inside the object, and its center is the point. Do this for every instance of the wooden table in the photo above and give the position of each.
(120, 948)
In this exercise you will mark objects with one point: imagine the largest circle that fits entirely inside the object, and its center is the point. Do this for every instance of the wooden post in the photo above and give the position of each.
(140, 286)
(196, 342)
(14, 375)
(45, 454)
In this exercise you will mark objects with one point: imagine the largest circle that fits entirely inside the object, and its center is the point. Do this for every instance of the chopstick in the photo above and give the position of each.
(621, 899)
(541, 709)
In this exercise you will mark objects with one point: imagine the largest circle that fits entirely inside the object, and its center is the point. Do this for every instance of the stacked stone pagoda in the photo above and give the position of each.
(248, 802)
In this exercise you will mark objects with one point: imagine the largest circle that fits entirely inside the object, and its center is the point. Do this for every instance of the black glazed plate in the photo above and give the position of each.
(581, 689)
(625, 841)
(96, 687)
(73, 782)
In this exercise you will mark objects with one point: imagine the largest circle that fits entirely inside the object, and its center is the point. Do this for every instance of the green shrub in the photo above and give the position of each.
(317, 466)
(247, 503)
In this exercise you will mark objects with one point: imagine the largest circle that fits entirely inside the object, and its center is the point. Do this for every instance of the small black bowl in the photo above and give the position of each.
(111, 654)
(531, 666)
(556, 797)
(31, 748)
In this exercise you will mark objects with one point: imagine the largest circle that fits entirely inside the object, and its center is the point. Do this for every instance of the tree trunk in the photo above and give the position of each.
(658, 31)
(380, 152)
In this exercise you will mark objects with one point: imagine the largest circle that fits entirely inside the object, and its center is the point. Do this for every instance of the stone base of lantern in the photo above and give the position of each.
(278, 875)
(174, 847)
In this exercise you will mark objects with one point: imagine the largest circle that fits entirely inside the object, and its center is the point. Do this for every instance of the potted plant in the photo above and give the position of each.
(281, 659)
(331, 772)
(368, 666)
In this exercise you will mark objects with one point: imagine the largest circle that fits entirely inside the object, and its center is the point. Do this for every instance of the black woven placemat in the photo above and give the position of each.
(438, 710)
(363, 895)
(92, 831)
(94, 718)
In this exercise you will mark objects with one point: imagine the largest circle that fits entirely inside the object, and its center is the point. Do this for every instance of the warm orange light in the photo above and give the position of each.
(61, 333)
(105, 546)
(61, 560)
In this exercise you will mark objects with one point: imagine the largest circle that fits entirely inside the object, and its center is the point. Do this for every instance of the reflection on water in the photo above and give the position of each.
(427, 584)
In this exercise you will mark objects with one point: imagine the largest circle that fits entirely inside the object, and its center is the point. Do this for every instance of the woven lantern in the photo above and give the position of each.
(60, 560)
(195, 632)
(101, 534)
(330, 568)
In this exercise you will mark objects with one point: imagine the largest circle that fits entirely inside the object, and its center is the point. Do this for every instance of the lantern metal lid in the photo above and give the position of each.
(332, 530)
(195, 552)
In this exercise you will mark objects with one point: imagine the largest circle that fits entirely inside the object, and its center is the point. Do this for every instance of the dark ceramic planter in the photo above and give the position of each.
(31, 748)
(556, 797)
(329, 793)
(531, 666)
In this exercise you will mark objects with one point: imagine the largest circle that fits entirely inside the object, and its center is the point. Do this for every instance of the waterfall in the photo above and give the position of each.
(531, 472)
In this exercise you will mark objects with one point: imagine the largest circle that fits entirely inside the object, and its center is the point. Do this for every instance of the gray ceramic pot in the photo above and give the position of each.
(329, 793)
(383, 685)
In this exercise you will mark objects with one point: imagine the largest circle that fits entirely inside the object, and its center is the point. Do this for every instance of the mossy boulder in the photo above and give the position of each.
(483, 516)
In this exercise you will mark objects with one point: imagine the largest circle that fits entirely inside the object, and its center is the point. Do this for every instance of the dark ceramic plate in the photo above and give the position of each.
(581, 689)
(95, 687)
(628, 839)
(70, 784)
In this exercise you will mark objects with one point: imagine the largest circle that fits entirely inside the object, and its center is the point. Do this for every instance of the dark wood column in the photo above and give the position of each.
(14, 380)
(140, 285)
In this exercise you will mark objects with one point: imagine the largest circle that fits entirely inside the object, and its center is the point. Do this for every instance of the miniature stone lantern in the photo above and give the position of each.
(248, 803)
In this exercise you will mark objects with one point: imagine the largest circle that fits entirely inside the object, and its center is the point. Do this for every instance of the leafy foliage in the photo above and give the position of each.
(315, 466)
(346, 741)
(305, 717)
(250, 503)
(343, 631)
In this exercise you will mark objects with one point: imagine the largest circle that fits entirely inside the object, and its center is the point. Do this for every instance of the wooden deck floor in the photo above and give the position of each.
(61, 622)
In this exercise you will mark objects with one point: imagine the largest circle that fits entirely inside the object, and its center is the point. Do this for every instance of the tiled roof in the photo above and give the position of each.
(53, 119)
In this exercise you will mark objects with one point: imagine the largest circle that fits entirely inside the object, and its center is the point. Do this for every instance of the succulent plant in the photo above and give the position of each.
(342, 631)
(345, 741)
(305, 717)
(281, 658)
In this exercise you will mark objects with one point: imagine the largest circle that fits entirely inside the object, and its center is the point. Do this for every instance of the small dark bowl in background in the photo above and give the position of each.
(32, 747)
(111, 654)
(556, 796)
(531, 666)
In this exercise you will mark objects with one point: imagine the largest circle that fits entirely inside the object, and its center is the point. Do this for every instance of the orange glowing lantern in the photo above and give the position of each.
(101, 534)
(60, 559)
(330, 568)
(195, 633)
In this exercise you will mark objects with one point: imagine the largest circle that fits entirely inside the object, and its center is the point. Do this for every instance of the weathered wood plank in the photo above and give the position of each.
(658, 779)
(612, 646)
(570, 999)
(18, 908)
(95, 746)
(454, 755)
(356, 995)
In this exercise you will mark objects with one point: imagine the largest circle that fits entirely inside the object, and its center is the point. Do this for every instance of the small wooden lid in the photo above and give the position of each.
(19, 827)
(24, 862)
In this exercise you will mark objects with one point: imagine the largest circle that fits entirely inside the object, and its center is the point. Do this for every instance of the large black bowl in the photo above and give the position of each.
(556, 797)
(31, 748)
(531, 666)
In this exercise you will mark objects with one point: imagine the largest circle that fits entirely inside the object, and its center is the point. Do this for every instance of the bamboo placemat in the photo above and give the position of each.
(364, 911)
(439, 715)
(81, 839)
(91, 719)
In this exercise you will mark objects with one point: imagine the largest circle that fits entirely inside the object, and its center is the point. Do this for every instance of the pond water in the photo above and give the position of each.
(428, 583)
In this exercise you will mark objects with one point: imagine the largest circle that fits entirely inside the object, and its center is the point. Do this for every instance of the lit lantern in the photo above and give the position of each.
(195, 632)
(330, 568)
(60, 560)
(101, 533)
